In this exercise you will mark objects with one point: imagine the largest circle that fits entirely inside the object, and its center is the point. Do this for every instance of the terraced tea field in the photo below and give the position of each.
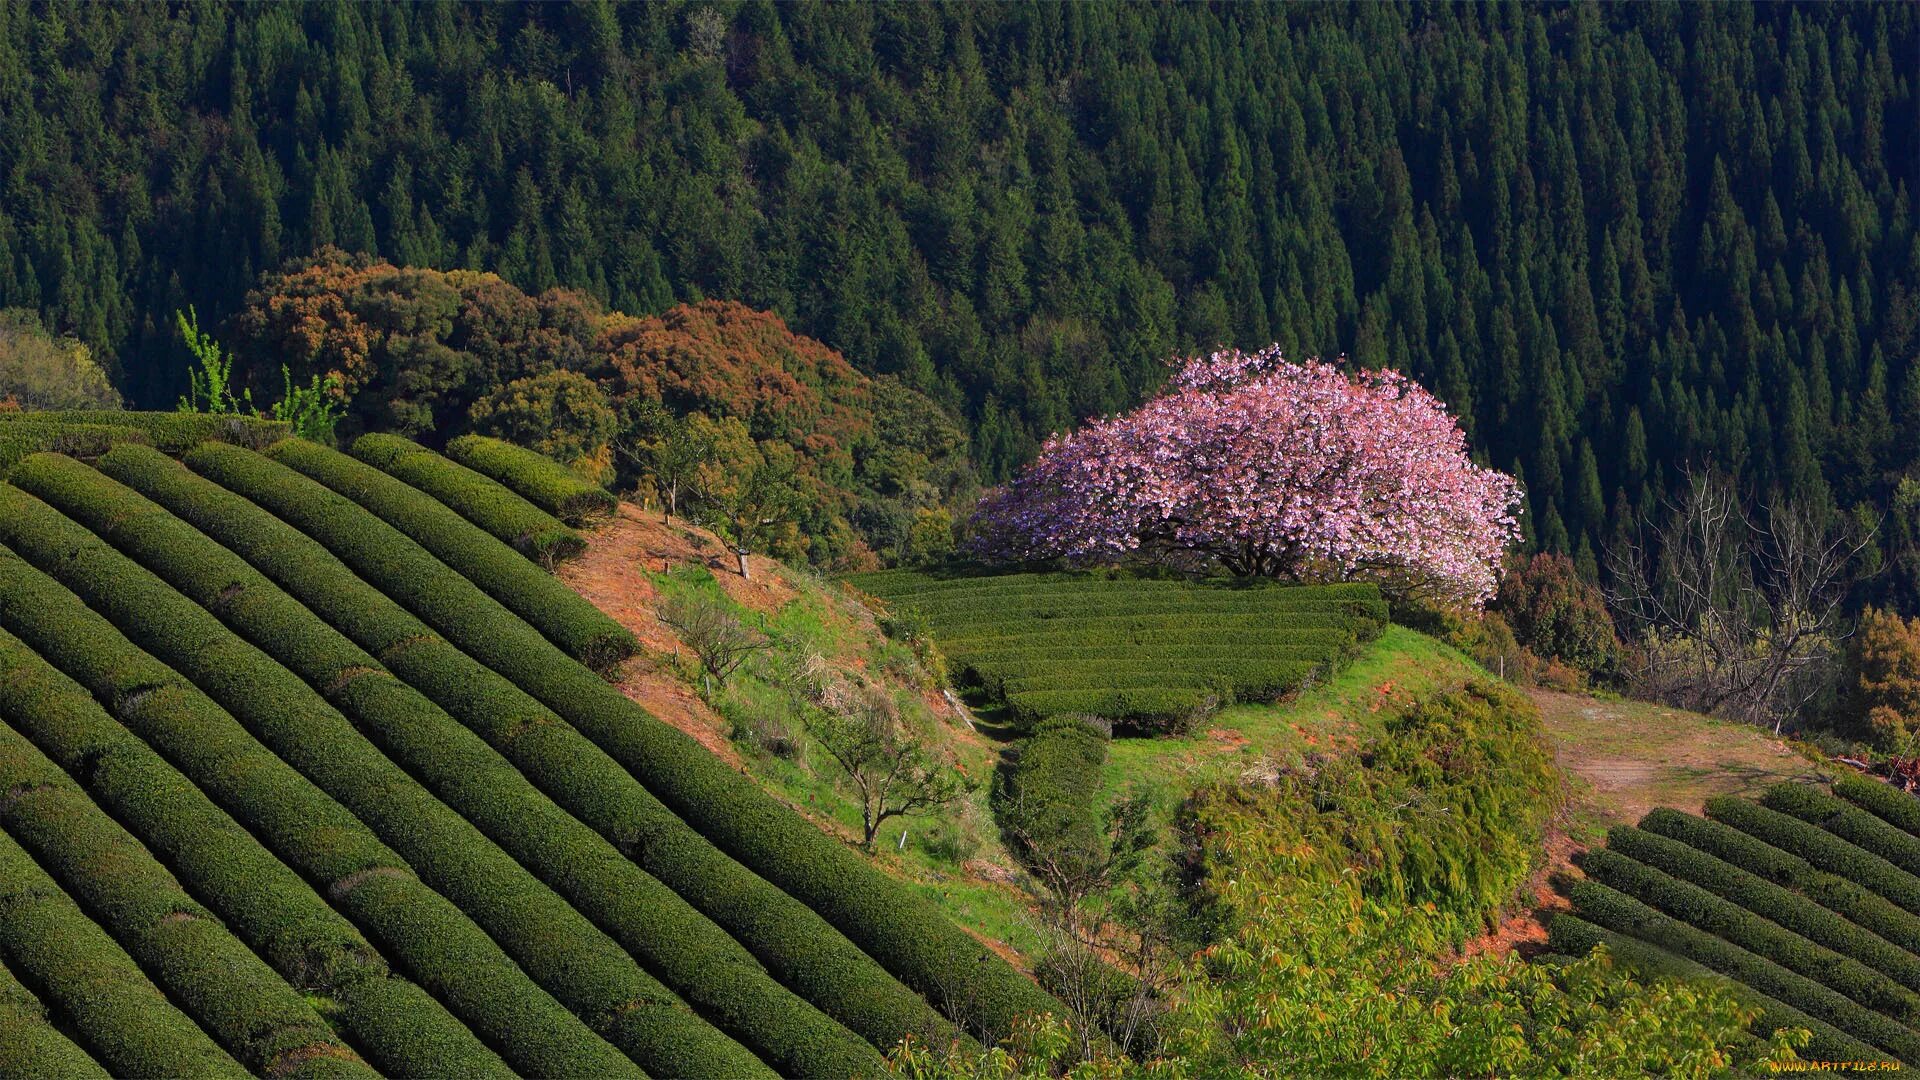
(1146, 654)
(1806, 902)
(308, 773)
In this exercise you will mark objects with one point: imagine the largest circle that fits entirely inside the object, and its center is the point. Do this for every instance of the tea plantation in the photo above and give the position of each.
(308, 771)
(1807, 901)
(1146, 654)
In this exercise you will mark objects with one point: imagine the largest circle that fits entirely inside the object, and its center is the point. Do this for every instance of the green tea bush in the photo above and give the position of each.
(1146, 709)
(568, 620)
(19, 440)
(1847, 821)
(798, 947)
(480, 499)
(234, 995)
(1822, 849)
(95, 985)
(1898, 808)
(1767, 900)
(402, 1029)
(565, 952)
(1703, 910)
(31, 1047)
(475, 780)
(882, 916)
(1848, 899)
(1623, 914)
(1046, 803)
(437, 944)
(1575, 936)
(172, 432)
(542, 480)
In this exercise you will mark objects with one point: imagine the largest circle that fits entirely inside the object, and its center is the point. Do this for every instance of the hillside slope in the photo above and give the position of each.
(379, 753)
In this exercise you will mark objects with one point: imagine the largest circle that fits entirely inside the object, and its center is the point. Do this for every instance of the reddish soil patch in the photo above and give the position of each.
(1526, 931)
(612, 573)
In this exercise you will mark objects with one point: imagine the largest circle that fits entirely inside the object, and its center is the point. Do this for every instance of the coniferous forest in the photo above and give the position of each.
(1617, 239)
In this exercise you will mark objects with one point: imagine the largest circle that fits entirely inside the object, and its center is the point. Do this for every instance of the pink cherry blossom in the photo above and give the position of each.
(1268, 467)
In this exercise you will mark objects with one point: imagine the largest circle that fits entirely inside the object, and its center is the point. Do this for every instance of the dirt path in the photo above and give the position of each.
(1630, 757)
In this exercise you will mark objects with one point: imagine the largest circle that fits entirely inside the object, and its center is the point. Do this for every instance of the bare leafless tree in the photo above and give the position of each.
(715, 633)
(890, 772)
(1738, 612)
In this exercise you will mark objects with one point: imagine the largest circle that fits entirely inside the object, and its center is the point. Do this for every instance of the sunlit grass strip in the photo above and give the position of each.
(1575, 936)
(569, 621)
(235, 996)
(416, 927)
(1868, 909)
(124, 1018)
(904, 932)
(563, 951)
(474, 780)
(31, 1047)
(799, 947)
(540, 478)
(480, 499)
(396, 1023)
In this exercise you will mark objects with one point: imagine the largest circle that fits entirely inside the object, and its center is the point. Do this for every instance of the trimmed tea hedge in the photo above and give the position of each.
(1575, 936)
(401, 1028)
(31, 1047)
(568, 620)
(544, 481)
(1702, 910)
(564, 952)
(170, 431)
(1144, 654)
(476, 781)
(1767, 900)
(1047, 801)
(879, 914)
(799, 947)
(1819, 847)
(124, 1019)
(1849, 822)
(437, 944)
(1897, 808)
(1831, 891)
(480, 499)
(19, 440)
(1623, 914)
(234, 995)
(1147, 708)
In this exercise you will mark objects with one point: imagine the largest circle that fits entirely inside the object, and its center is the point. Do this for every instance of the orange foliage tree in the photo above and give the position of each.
(432, 354)
(1881, 698)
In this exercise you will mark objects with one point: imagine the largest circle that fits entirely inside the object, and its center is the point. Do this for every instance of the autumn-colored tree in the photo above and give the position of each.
(1881, 695)
(1557, 614)
(1268, 467)
(562, 414)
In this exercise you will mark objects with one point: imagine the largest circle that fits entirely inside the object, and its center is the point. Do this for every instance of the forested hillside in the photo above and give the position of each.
(1615, 238)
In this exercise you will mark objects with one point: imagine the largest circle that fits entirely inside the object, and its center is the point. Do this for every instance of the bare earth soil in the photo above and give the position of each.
(1629, 757)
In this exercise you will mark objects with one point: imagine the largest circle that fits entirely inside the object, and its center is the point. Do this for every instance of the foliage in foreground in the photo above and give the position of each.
(1323, 982)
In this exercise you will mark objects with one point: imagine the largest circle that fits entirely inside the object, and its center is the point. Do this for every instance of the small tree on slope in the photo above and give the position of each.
(1271, 468)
